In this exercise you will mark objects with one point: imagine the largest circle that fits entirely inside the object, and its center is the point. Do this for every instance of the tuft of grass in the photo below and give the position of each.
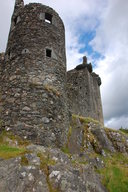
(79, 162)
(24, 161)
(7, 152)
(124, 130)
(115, 173)
(85, 119)
(52, 89)
(1, 123)
(65, 149)
(11, 146)
(88, 137)
(45, 162)
(110, 130)
(5, 135)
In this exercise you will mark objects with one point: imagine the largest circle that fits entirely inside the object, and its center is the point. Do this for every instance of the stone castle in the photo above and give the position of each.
(38, 96)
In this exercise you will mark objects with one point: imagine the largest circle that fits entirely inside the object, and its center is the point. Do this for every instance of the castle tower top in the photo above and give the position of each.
(18, 4)
(84, 60)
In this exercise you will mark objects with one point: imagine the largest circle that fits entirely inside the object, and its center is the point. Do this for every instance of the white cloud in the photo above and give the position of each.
(118, 122)
(6, 8)
(112, 41)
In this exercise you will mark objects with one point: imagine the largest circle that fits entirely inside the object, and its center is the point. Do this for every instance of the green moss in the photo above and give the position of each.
(24, 161)
(1, 123)
(110, 130)
(45, 162)
(69, 132)
(11, 146)
(85, 119)
(5, 136)
(7, 152)
(65, 150)
(115, 173)
(88, 137)
(79, 162)
(52, 89)
(124, 130)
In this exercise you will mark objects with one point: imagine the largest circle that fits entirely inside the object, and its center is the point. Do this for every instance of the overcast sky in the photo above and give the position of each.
(99, 30)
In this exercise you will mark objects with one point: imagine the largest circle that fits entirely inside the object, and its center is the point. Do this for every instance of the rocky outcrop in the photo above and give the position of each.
(55, 171)
(73, 168)
(86, 134)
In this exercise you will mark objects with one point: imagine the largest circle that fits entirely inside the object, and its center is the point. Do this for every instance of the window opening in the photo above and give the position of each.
(9, 54)
(48, 18)
(15, 20)
(48, 52)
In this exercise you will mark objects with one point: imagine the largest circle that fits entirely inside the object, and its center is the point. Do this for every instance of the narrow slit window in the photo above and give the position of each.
(15, 20)
(9, 54)
(48, 52)
(48, 18)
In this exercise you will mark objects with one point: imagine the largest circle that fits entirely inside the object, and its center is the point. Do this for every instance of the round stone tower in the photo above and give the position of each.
(34, 75)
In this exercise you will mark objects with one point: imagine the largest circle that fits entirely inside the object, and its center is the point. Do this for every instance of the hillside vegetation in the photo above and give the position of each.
(93, 159)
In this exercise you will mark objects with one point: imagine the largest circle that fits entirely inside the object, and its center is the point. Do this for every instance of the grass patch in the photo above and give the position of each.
(24, 161)
(45, 162)
(115, 173)
(7, 152)
(79, 162)
(11, 146)
(85, 119)
(52, 89)
(124, 130)
(65, 150)
(7, 136)
(110, 130)
(88, 138)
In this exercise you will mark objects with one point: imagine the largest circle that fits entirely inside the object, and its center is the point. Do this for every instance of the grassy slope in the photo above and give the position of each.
(8, 146)
(115, 173)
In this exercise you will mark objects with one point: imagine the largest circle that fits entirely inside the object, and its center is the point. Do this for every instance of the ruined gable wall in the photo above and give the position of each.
(84, 94)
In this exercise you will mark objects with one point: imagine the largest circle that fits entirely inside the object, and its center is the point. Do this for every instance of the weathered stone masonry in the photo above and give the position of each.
(34, 82)
(83, 91)
(34, 75)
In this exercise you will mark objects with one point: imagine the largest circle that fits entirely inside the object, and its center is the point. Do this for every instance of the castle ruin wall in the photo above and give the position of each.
(84, 93)
(34, 76)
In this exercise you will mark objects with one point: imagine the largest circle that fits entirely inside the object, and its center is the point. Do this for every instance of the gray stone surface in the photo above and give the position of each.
(17, 178)
(93, 137)
(118, 139)
(102, 137)
(62, 175)
(67, 178)
(46, 169)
